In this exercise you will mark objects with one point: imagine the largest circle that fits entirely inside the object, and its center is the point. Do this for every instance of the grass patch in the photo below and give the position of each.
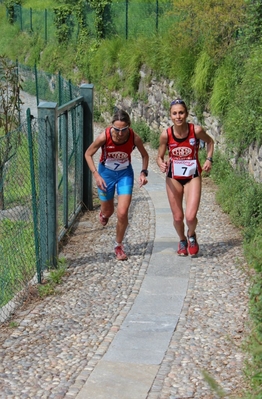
(39, 4)
(53, 278)
(15, 271)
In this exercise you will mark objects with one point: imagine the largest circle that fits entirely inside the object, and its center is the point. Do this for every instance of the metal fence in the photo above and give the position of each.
(17, 247)
(45, 183)
(46, 86)
(125, 19)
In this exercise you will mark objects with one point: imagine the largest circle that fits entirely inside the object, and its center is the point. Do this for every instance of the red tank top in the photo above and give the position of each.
(117, 156)
(183, 154)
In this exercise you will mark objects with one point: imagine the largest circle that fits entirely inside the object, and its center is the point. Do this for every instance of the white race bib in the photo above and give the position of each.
(115, 164)
(185, 168)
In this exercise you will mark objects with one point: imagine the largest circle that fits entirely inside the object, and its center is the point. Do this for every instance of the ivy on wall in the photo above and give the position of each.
(62, 23)
(99, 7)
(10, 6)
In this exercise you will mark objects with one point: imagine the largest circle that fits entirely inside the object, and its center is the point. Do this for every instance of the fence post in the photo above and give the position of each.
(47, 183)
(45, 25)
(157, 11)
(36, 86)
(21, 16)
(87, 91)
(34, 195)
(31, 19)
(126, 19)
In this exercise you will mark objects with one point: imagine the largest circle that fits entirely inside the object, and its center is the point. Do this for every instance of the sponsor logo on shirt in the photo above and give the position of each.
(181, 152)
(118, 155)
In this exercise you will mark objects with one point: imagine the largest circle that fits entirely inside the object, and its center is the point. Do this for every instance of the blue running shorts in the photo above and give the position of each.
(122, 181)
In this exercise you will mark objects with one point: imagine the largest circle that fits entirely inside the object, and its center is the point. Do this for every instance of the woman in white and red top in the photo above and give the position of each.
(115, 172)
(183, 172)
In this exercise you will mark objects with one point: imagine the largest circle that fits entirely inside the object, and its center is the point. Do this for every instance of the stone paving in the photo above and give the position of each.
(57, 341)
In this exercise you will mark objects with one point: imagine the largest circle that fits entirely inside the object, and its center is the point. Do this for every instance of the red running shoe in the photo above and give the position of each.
(193, 246)
(182, 248)
(102, 219)
(119, 251)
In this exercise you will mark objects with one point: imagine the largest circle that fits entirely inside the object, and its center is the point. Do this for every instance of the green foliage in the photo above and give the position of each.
(143, 130)
(13, 324)
(213, 384)
(240, 196)
(101, 23)
(202, 79)
(253, 24)
(147, 135)
(10, 6)
(63, 23)
(10, 85)
(254, 343)
(38, 4)
(212, 25)
(54, 277)
(253, 248)
(154, 139)
(241, 200)
(15, 271)
(243, 120)
(225, 81)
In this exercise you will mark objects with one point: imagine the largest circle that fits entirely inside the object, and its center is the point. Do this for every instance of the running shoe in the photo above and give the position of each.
(120, 254)
(102, 219)
(182, 248)
(193, 246)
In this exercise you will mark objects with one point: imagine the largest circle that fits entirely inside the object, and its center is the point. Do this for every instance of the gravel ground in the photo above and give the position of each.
(55, 339)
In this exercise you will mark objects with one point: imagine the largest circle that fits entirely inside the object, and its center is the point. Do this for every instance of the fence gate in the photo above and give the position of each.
(65, 182)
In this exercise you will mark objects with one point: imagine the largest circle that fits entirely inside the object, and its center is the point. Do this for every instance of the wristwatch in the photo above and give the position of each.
(145, 171)
(210, 159)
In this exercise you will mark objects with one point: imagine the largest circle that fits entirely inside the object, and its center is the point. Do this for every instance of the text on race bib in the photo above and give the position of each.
(184, 168)
(115, 164)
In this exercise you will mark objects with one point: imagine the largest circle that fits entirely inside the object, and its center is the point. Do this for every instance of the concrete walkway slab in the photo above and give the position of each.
(128, 368)
(112, 380)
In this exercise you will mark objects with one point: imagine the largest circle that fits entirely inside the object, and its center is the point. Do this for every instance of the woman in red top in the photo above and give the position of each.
(183, 172)
(115, 172)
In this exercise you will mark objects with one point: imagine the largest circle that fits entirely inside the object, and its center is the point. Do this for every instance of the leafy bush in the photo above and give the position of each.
(154, 139)
(225, 81)
(202, 79)
(142, 129)
(245, 109)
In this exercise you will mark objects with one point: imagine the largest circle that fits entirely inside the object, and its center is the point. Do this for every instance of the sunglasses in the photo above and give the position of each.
(120, 130)
(177, 102)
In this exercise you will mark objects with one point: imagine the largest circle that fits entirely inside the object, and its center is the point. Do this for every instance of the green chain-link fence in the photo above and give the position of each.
(126, 19)
(46, 86)
(43, 188)
(17, 246)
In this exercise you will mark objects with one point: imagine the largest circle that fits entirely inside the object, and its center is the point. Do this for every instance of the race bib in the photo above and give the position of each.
(115, 164)
(184, 168)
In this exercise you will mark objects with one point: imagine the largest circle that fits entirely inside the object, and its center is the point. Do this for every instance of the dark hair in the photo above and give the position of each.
(179, 101)
(121, 115)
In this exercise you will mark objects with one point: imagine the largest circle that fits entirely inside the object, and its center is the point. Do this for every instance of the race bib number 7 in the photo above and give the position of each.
(184, 168)
(115, 164)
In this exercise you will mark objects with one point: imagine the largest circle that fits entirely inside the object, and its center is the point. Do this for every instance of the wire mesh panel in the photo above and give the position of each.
(46, 86)
(17, 239)
(70, 166)
(133, 18)
(41, 159)
(125, 18)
